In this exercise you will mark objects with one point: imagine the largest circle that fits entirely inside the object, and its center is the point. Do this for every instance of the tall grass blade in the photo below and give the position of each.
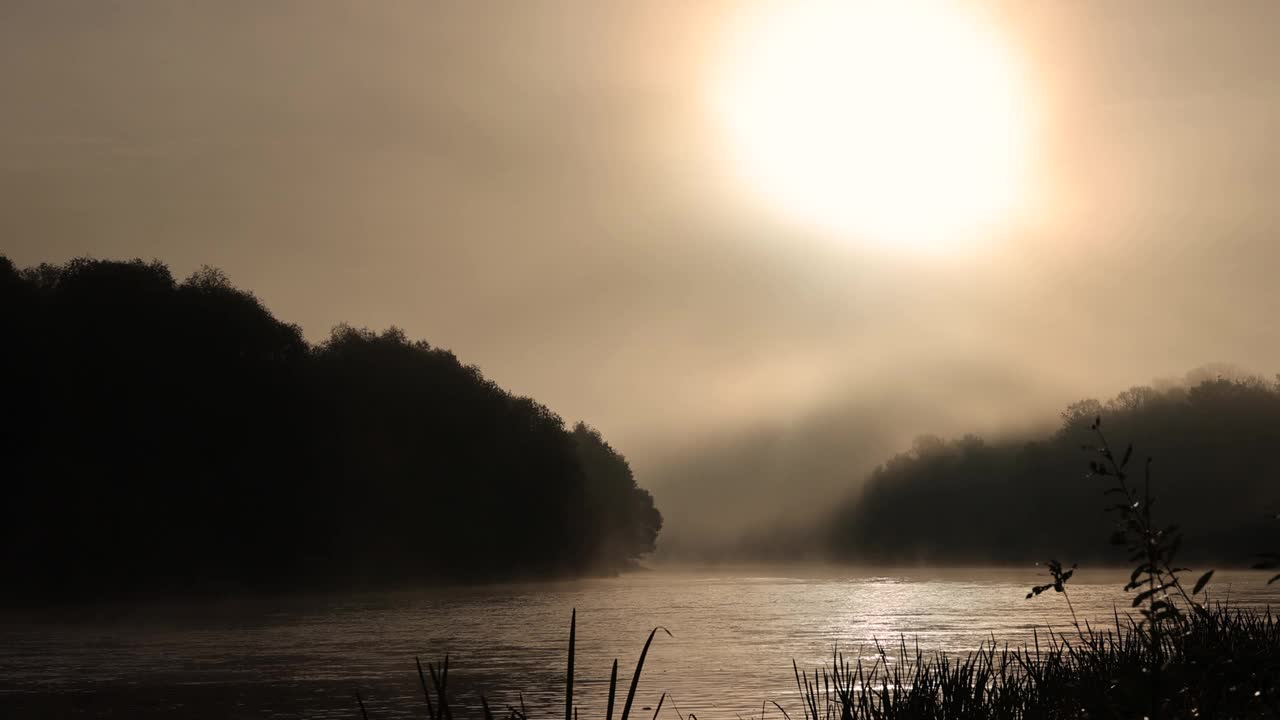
(568, 683)
(659, 708)
(613, 687)
(635, 679)
(426, 693)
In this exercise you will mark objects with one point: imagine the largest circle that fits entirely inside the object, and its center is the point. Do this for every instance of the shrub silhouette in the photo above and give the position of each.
(160, 434)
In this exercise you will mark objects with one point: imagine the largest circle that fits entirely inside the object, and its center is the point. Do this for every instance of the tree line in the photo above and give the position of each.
(174, 435)
(1215, 449)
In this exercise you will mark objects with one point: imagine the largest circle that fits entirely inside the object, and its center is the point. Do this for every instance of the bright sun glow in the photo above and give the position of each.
(894, 121)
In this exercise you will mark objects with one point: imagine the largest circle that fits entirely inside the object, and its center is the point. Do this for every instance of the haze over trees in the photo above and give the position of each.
(1215, 472)
(164, 434)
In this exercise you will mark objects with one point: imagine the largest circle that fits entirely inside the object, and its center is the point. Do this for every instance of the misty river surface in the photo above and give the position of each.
(734, 633)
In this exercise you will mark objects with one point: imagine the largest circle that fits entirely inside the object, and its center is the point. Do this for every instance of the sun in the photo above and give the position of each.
(898, 122)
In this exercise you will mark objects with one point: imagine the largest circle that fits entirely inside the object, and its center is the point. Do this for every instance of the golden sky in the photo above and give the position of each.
(543, 187)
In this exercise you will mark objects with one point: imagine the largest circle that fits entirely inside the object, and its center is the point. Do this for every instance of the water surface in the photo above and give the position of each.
(734, 632)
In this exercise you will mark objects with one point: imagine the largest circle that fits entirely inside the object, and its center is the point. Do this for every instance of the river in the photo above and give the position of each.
(734, 633)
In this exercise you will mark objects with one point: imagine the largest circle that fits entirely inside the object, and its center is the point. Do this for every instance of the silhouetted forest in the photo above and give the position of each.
(159, 434)
(1215, 472)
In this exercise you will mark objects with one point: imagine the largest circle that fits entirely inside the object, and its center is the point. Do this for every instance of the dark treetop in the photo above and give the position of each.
(1215, 471)
(164, 435)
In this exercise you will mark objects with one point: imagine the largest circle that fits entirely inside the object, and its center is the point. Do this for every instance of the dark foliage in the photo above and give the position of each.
(1269, 561)
(969, 500)
(159, 434)
(1224, 663)
(1155, 577)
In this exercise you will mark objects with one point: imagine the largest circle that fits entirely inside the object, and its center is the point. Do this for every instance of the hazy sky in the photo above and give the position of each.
(541, 186)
